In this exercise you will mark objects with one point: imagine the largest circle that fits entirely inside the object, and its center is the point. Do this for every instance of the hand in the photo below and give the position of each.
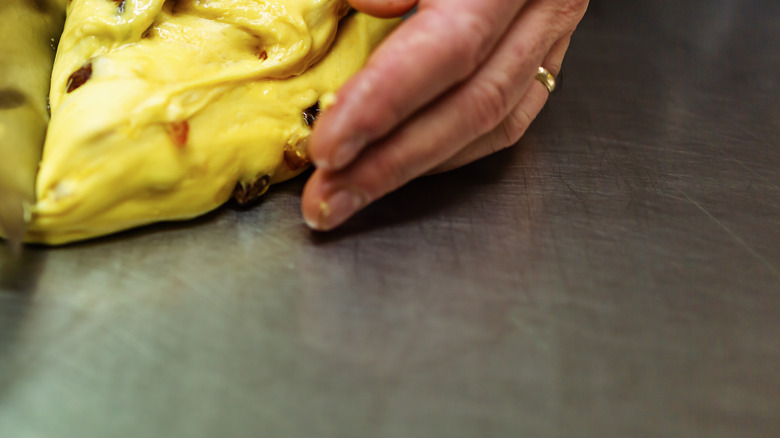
(454, 83)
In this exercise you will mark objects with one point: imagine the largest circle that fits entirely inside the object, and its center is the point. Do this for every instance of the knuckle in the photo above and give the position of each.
(490, 103)
(515, 125)
(376, 123)
(526, 49)
(474, 39)
(385, 174)
(368, 85)
(533, 46)
(572, 10)
(498, 143)
(388, 107)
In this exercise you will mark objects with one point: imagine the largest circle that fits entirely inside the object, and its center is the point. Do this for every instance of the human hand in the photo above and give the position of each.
(454, 83)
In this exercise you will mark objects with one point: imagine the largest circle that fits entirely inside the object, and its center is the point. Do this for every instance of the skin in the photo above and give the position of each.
(453, 84)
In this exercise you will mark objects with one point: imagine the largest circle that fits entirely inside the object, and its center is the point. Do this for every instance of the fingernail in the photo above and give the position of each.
(311, 223)
(346, 152)
(322, 164)
(336, 210)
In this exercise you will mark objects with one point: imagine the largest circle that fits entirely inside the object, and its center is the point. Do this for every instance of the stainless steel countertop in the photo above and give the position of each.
(617, 273)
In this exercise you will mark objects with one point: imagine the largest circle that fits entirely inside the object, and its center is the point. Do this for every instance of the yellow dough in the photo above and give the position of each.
(163, 110)
(28, 30)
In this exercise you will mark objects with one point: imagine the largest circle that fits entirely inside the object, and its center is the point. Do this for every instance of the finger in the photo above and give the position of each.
(439, 132)
(516, 124)
(410, 68)
(384, 8)
(553, 62)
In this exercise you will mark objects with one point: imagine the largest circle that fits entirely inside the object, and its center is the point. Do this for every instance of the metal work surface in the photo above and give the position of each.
(617, 273)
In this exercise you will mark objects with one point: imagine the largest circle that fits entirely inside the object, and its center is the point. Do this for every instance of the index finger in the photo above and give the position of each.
(438, 47)
(384, 8)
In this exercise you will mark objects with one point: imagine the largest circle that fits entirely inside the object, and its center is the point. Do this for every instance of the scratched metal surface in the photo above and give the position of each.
(615, 274)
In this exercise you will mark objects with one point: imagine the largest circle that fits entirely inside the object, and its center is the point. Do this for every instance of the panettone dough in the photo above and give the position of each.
(162, 110)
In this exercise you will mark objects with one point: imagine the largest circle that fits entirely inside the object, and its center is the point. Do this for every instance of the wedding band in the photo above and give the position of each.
(546, 78)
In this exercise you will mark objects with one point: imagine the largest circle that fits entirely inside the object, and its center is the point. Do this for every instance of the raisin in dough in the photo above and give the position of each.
(163, 110)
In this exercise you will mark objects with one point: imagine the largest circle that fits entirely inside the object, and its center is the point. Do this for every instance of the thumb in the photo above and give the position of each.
(384, 8)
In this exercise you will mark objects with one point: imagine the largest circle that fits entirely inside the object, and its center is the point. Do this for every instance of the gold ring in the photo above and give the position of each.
(546, 78)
